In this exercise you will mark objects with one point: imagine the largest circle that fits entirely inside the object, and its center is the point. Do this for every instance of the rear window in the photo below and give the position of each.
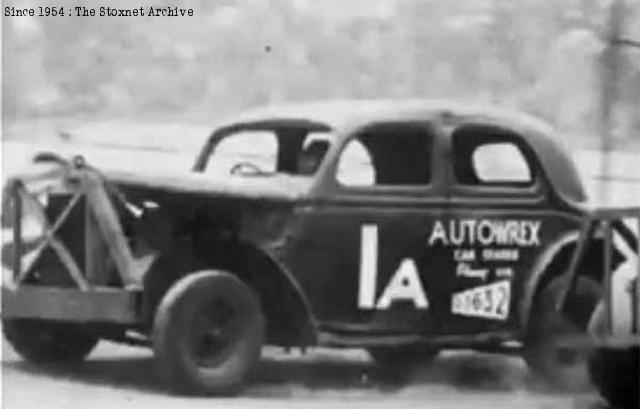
(490, 156)
(501, 163)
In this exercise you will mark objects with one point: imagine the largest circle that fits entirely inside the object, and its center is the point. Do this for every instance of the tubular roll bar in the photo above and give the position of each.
(608, 219)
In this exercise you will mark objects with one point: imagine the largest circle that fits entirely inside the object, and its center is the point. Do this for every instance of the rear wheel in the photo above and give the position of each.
(208, 332)
(47, 341)
(616, 373)
(562, 366)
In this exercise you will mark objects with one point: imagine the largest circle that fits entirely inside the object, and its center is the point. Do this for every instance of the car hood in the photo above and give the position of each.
(273, 186)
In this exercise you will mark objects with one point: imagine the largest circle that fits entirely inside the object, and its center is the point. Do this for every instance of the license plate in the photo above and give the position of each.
(489, 301)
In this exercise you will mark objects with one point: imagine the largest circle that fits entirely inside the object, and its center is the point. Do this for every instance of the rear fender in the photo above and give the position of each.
(543, 267)
(555, 261)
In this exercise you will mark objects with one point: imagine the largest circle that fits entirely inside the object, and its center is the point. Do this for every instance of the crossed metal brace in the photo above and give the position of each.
(49, 239)
(91, 186)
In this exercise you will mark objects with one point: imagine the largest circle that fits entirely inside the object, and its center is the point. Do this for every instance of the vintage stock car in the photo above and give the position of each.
(401, 227)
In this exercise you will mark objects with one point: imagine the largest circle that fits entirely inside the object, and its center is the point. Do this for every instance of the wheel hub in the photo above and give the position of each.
(214, 334)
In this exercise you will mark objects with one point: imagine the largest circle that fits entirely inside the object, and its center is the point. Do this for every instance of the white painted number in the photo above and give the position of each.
(404, 285)
(488, 301)
(368, 267)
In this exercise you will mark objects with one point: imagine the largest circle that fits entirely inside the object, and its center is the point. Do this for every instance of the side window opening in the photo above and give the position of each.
(259, 148)
(355, 167)
(387, 155)
(264, 152)
(489, 156)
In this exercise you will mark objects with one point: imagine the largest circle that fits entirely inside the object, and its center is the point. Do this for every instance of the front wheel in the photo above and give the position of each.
(208, 333)
(562, 366)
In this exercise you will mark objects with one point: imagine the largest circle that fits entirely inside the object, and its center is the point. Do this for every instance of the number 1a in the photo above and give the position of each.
(404, 285)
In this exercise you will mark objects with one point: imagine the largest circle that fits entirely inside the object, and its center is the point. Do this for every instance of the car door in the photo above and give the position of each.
(496, 225)
(360, 251)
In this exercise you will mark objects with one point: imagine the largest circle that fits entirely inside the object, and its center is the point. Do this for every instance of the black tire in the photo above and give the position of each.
(403, 356)
(564, 367)
(207, 334)
(616, 373)
(46, 341)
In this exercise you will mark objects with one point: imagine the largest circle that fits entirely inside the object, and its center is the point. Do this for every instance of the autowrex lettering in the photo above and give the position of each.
(486, 232)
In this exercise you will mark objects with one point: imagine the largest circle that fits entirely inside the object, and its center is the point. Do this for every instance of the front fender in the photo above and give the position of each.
(271, 254)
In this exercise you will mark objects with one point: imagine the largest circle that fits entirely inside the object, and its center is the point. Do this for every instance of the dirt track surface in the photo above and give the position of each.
(122, 377)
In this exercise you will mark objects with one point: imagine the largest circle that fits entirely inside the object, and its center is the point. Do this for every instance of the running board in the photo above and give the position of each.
(492, 341)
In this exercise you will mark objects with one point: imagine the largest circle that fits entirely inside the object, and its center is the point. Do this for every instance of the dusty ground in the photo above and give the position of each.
(122, 377)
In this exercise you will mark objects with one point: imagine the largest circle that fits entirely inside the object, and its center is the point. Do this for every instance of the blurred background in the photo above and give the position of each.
(542, 56)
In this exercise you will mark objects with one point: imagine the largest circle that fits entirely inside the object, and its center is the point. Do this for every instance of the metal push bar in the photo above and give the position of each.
(90, 300)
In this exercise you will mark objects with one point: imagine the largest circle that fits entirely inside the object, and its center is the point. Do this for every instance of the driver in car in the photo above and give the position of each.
(311, 157)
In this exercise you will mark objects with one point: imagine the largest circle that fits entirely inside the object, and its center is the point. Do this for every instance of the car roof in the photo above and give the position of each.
(340, 115)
